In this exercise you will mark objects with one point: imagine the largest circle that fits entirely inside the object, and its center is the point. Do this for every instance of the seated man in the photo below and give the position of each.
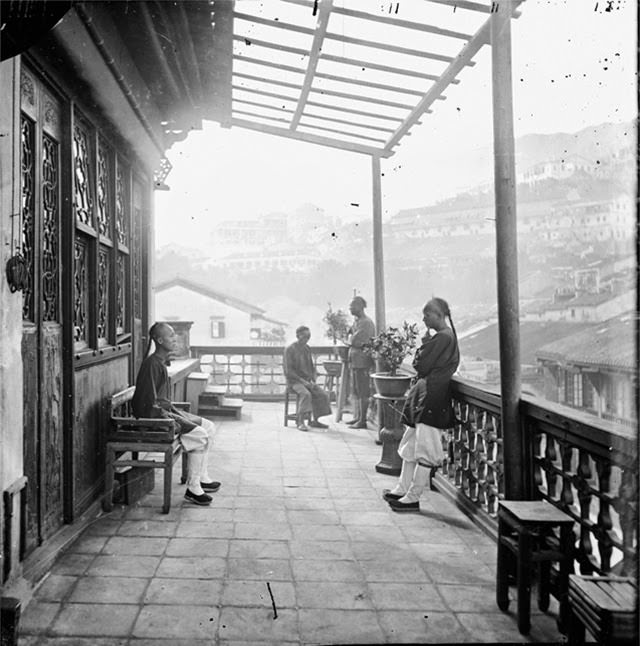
(301, 376)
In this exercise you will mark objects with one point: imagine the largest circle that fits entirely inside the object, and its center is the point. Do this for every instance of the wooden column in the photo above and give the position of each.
(378, 260)
(507, 251)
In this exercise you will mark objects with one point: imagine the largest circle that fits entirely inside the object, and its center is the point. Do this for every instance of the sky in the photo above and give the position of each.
(574, 66)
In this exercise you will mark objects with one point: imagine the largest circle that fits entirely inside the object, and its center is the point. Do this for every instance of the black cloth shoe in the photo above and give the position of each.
(316, 424)
(396, 505)
(210, 486)
(202, 499)
(353, 422)
(387, 495)
(302, 427)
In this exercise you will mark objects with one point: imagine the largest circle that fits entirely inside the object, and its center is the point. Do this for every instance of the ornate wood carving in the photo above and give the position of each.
(122, 203)
(27, 137)
(50, 229)
(80, 291)
(83, 201)
(104, 269)
(121, 301)
(104, 191)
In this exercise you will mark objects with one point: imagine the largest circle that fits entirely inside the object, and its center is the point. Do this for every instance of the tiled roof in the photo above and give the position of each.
(611, 344)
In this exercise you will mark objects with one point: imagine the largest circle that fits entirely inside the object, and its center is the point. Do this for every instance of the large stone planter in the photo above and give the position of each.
(388, 385)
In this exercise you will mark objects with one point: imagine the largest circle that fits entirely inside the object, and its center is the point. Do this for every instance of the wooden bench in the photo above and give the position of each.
(606, 606)
(144, 439)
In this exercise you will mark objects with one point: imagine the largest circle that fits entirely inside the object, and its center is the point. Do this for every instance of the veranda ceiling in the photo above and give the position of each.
(350, 74)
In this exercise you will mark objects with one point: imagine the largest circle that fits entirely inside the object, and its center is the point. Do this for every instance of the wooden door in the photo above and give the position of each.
(41, 136)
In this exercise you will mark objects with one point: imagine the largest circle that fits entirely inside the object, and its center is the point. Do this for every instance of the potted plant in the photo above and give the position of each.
(391, 347)
(337, 330)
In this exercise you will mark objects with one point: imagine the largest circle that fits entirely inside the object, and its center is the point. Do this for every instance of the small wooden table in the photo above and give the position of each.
(390, 434)
(524, 530)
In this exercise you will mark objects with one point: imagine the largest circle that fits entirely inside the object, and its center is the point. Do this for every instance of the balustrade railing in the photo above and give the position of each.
(586, 466)
(252, 372)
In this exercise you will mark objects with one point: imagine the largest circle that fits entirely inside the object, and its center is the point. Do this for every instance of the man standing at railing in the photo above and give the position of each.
(361, 363)
(300, 372)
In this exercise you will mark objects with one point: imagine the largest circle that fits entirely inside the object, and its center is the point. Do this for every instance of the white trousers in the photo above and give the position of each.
(422, 444)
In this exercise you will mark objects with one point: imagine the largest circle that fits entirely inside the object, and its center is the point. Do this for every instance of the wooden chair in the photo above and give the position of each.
(144, 436)
(290, 416)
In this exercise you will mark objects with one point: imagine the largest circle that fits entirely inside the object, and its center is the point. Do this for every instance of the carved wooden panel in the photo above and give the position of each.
(30, 433)
(27, 157)
(103, 201)
(82, 164)
(93, 384)
(104, 273)
(80, 292)
(51, 427)
(50, 256)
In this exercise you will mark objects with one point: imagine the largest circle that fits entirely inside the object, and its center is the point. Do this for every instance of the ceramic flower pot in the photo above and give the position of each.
(388, 385)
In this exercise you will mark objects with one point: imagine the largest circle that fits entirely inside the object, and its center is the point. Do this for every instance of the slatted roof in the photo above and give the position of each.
(350, 74)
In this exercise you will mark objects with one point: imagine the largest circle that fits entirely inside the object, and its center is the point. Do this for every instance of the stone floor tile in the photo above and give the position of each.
(314, 517)
(87, 544)
(73, 564)
(262, 503)
(213, 529)
(393, 570)
(147, 528)
(430, 551)
(262, 569)
(373, 503)
(255, 515)
(253, 624)
(177, 622)
(306, 492)
(457, 568)
(358, 494)
(381, 550)
(259, 491)
(172, 641)
(103, 526)
(375, 533)
(256, 593)
(198, 547)
(319, 570)
(132, 545)
(339, 627)
(320, 533)
(503, 627)
(259, 549)
(331, 550)
(101, 620)
(469, 598)
(263, 531)
(192, 567)
(423, 627)
(110, 589)
(38, 616)
(371, 518)
(41, 640)
(55, 587)
(184, 591)
(206, 514)
(309, 504)
(118, 565)
(327, 594)
(149, 511)
(406, 596)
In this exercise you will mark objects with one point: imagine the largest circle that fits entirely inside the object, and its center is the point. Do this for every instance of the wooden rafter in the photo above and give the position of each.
(341, 132)
(480, 38)
(313, 115)
(464, 4)
(362, 113)
(278, 66)
(321, 29)
(367, 99)
(273, 95)
(377, 86)
(266, 43)
(287, 26)
(257, 104)
(379, 67)
(256, 115)
(309, 138)
(262, 79)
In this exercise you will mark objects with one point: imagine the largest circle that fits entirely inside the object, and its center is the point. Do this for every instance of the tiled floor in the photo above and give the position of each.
(299, 525)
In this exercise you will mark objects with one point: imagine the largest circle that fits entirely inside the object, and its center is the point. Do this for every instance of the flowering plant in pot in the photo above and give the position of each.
(337, 328)
(391, 347)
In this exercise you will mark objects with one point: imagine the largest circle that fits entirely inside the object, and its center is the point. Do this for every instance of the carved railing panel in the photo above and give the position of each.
(27, 157)
(588, 468)
(50, 229)
(254, 372)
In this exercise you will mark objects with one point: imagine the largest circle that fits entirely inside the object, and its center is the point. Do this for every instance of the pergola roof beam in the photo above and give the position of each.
(314, 56)
(308, 137)
(264, 79)
(396, 22)
(393, 48)
(380, 67)
(273, 95)
(259, 116)
(266, 43)
(342, 132)
(362, 113)
(278, 66)
(360, 97)
(270, 23)
(313, 115)
(263, 105)
(377, 86)
(464, 4)
(480, 38)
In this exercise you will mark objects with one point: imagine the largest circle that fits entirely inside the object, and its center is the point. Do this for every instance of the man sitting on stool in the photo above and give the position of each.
(301, 376)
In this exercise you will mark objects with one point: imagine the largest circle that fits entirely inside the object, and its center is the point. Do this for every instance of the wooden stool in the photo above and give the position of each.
(525, 531)
(604, 605)
(290, 417)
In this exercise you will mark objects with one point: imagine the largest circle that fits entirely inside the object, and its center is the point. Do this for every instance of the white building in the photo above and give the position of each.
(218, 319)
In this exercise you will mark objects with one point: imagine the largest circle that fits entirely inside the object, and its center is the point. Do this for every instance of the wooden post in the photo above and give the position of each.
(378, 260)
(507, 251)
